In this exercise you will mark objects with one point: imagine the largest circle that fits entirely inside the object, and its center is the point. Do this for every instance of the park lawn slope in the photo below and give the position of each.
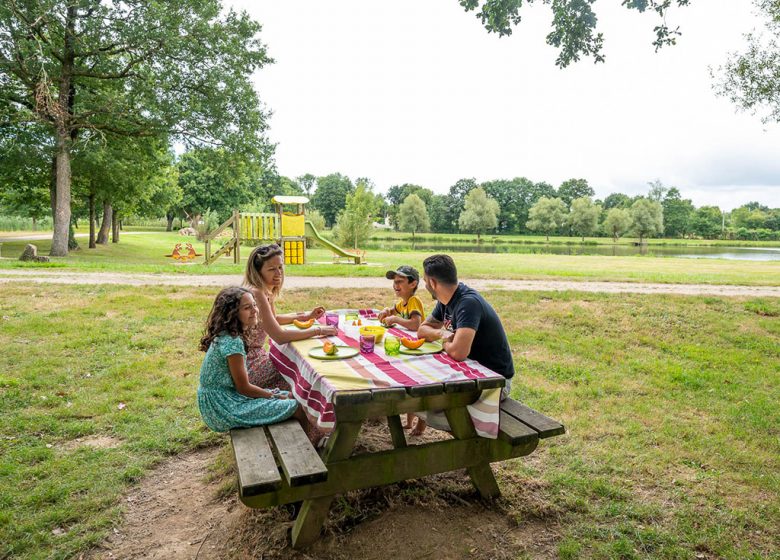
(145, 253)
(672, 448)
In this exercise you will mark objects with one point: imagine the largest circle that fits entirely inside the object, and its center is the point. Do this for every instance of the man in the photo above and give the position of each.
(467, 324)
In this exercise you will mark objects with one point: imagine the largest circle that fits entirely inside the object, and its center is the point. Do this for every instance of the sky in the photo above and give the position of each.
(414, 91)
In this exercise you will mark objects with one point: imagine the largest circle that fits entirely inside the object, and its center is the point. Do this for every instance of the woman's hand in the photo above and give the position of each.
(326, 330)
(316, 313)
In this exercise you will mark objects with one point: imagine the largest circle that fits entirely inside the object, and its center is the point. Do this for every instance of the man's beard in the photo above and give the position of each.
(433, 296)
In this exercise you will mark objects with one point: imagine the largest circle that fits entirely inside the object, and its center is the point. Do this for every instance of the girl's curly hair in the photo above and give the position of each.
(224, 316)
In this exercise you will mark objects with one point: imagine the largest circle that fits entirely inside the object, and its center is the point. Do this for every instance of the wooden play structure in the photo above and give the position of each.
(287, 226)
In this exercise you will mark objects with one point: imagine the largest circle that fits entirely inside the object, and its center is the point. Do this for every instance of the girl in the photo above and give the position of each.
(265, 277)
(226, 397)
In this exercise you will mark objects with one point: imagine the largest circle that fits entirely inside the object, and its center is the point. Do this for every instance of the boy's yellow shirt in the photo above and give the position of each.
(405, 310)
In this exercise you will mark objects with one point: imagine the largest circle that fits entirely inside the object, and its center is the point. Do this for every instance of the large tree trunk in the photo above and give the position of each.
(59, 241)
(115, 227)
(102, 237)
(64, 138)
(92, 221)
(169, 216)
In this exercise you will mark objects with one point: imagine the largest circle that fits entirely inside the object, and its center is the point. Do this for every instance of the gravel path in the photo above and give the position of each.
(300, 282)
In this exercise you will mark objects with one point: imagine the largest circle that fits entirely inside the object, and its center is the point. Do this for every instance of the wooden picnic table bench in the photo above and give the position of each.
(278, 465)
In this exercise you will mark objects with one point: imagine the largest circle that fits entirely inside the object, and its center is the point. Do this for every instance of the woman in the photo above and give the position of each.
(265, 277)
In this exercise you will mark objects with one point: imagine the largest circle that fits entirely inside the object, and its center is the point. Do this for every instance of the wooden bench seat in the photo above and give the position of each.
(519, 424)
(265, 454)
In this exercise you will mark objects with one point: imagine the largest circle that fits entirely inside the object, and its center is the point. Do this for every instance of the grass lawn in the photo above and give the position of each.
(673, 448)
(144, 252)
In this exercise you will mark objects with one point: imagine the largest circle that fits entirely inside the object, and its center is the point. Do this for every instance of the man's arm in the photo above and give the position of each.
(431, 329)
(459, 346)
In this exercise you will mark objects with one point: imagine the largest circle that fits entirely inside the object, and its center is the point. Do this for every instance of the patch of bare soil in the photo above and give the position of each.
(178, 513)
(96, 442)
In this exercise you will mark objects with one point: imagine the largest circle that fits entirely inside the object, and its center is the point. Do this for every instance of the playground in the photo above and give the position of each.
(288, 227)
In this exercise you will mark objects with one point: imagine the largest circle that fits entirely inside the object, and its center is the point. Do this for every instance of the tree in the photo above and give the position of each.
(353, 225)
(657, 190)
(398, 193)
(439, 213)
(480, 213)
(584, 216)
(617, 222)
(456, 200)
(216, 179)
(307, 183)
(617, 200)
(330, 198)
(574, 188)
(647, 218)
(131, 68)
(547, 215)
(707, 222)
(677, 213)
(751, 79)
(574, 24)
(413, 216)
(25, 172)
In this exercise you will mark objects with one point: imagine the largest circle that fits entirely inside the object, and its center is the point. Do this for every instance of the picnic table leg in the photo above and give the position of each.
(396, 431)
(314, 512)
(481, 475)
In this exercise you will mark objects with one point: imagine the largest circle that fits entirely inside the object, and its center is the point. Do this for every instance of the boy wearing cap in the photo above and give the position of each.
(408, 312)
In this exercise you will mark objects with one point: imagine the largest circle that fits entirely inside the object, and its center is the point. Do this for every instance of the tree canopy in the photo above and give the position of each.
(751, 78)
(134, 68)
(574, 27)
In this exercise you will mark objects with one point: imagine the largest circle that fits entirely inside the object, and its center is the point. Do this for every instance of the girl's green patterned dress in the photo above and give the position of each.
(221, 405)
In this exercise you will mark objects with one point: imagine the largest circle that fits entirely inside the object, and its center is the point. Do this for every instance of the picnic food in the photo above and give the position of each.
(329, 348)
(377, 331)
(412, 344)
(303, 324)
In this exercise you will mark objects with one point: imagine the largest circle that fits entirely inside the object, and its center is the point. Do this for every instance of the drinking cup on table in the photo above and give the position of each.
(332, 319)
(366, 343)
(350, 316)
(392, 345)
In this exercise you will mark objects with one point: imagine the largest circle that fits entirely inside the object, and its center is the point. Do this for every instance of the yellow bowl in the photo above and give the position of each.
(377, 331)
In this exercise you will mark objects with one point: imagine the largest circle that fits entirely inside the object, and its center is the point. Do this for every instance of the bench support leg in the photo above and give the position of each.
(396, 431)
(314, 512)
(481, 475)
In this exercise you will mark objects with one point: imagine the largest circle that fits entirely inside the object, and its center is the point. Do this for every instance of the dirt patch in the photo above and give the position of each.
(96, 442)
(179, 511)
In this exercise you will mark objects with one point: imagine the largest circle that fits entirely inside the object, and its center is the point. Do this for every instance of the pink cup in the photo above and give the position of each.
(366, 343)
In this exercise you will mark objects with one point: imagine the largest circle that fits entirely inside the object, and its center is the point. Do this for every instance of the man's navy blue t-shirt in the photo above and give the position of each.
(470, 310)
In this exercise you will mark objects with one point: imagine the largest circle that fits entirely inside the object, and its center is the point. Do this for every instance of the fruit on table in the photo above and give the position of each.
(303, 324)
(329, 348)
(412, 344)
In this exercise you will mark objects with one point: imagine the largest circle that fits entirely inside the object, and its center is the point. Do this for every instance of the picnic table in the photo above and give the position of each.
(339, 395)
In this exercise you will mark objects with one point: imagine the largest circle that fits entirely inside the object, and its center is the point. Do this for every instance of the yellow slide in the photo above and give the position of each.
(312, 233)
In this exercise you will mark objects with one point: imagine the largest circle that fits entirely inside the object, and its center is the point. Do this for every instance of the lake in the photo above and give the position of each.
(686, 252)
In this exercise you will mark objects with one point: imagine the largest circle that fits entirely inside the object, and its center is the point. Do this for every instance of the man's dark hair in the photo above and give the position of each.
(441, 268)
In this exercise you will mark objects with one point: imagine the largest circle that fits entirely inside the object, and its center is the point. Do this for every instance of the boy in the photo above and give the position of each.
(408, 312)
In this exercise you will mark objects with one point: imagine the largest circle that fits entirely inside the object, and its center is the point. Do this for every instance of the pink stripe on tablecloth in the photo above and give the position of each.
(482, 427)
(315, 400)
(383, 365)
(462, 367)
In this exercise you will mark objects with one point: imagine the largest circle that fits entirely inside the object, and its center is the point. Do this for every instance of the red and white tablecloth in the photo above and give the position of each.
(315, 382)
